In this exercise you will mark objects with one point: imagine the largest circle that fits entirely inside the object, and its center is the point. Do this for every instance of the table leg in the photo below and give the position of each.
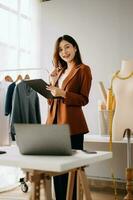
(71, 178)
(47, 187)
(79, 188)
(35, 185)
(84, 183)
(35, 177)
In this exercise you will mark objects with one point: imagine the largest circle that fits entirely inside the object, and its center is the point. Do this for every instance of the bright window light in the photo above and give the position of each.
(19, 34)
(25, 31)
(3, 26)
(25, 7)
(13, 27)
(12, 4)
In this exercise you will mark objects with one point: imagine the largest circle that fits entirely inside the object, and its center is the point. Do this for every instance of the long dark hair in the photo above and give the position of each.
(57, 61)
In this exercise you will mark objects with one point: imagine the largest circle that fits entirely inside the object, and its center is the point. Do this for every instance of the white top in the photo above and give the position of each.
(63, 76)
(50, 163)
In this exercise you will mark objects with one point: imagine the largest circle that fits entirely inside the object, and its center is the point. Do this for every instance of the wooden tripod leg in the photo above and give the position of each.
(35, 186)
(84, 183)
(47, 187)
(79, 188)
(70, 186)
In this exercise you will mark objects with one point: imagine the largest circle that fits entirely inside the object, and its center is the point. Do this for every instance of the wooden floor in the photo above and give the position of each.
(17, 194)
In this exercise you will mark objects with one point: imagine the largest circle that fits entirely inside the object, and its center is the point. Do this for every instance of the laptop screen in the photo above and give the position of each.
(40, 139)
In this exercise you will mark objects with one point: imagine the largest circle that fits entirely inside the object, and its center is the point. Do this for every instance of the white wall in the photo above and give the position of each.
(104, 32)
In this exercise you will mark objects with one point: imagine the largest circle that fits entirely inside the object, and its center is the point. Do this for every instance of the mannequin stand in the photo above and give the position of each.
(129, 185)
(129, 169)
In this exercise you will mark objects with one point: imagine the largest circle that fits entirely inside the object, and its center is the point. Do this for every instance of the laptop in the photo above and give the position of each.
(39, 139)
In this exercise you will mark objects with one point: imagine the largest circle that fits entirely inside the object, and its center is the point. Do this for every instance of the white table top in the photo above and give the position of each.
(50, 163)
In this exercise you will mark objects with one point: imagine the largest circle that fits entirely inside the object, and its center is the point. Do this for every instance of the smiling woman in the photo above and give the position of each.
(70, 84)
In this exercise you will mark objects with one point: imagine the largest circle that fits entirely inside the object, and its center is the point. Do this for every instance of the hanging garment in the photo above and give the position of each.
(25, 107)
(8, 101)
(4, 120)
(8, 106)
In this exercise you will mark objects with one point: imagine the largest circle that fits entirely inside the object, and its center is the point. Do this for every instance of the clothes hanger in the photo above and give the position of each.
(8, 78)
(27, 77)
(19, 78)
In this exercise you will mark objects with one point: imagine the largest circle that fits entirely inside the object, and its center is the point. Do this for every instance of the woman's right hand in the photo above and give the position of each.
(56, 92)
(52, 80)
(53, 77)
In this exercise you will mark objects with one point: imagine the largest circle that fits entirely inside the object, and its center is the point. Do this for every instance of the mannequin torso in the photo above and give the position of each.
(123, 91)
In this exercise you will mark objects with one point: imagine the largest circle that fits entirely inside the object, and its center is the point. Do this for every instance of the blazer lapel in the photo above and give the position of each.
(70, 76)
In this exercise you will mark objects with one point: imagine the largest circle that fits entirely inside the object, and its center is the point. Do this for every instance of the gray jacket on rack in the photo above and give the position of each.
(25, 108)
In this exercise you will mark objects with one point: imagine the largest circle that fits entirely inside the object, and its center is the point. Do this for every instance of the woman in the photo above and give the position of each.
(70, 84)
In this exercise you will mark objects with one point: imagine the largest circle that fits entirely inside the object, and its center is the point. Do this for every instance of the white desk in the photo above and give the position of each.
(51, 165)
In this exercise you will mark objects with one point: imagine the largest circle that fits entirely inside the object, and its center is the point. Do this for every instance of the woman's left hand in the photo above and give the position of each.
(55, 91)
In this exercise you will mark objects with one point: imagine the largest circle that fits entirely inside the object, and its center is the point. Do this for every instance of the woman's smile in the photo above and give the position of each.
(67, 51)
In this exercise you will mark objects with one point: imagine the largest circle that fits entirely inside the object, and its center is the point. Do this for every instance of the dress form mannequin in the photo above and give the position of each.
(123, 92)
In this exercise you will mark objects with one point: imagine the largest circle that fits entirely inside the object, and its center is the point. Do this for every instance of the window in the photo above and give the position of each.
(20, 34)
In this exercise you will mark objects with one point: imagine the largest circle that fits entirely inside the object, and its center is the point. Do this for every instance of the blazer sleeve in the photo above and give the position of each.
(81, 98)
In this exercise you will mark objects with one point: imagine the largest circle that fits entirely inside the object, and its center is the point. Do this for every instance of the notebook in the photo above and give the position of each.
(39, 139)
(39, 86)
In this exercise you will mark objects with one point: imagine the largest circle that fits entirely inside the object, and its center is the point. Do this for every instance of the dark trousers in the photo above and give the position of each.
(60, 182)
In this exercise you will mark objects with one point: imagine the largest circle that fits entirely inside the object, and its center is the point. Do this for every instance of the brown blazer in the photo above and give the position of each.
(68, 110)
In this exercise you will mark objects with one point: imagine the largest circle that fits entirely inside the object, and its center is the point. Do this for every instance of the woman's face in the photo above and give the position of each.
(67, 51)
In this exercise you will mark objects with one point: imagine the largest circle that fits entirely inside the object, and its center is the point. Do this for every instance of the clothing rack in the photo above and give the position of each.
(20, 69)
